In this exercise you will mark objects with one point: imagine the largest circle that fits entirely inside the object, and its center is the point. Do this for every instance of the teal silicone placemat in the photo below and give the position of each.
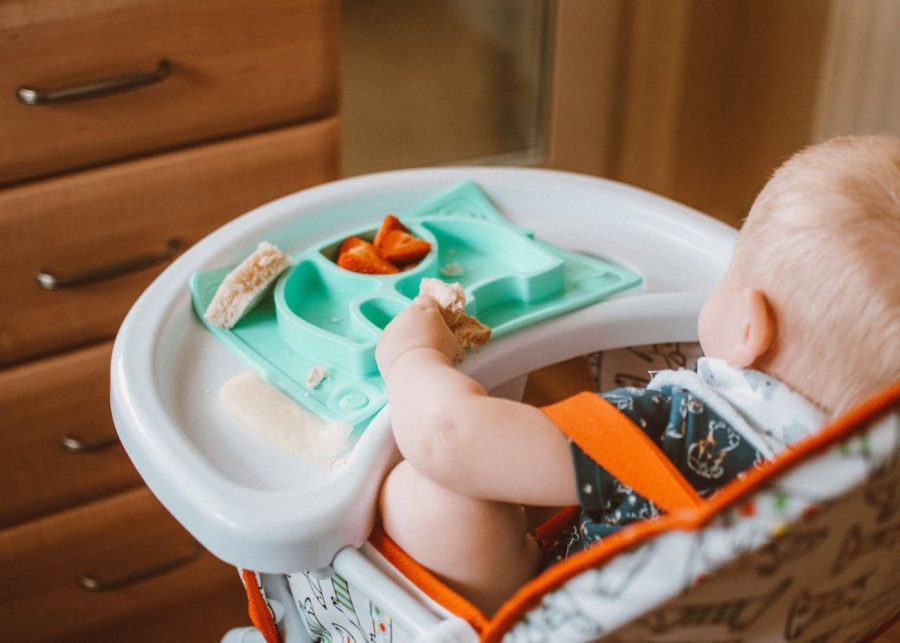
(322, 315)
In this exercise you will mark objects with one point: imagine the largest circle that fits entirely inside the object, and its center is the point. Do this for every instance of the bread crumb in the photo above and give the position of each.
(450, 298)
(470, 334)
(452, 269)
(316, 374)
(244, 286)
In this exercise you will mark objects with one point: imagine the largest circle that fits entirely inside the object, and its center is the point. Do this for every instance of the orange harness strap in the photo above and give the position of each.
(259, 612)
(618, 445)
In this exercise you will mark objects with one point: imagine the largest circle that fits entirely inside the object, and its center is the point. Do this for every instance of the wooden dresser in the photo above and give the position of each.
(129, 129)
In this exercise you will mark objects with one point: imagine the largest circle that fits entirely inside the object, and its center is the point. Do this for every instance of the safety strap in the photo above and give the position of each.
(258, 609)
(618, 445)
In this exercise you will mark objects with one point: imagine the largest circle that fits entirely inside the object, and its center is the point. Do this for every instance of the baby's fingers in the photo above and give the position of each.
(425, 302)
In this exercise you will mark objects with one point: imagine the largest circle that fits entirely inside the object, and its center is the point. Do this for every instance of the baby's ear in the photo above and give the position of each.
(757, 328)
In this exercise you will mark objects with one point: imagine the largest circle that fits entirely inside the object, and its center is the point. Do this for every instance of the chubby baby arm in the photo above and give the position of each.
(451, 431)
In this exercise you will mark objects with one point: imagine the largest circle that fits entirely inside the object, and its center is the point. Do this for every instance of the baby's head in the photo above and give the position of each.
(812, 294)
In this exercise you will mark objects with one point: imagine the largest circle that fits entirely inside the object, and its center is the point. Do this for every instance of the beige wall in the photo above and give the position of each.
(859, 89)
(700, 100)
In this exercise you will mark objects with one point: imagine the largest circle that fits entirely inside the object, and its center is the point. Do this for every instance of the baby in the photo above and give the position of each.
(805, 323)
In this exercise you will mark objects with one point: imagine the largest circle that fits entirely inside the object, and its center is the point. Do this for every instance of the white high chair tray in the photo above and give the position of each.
(260, 508)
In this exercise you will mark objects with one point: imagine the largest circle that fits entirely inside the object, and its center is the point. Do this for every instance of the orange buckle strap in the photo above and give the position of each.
(618, 445)
(258, 609)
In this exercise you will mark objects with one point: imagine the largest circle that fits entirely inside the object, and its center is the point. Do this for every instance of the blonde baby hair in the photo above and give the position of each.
(822, 240)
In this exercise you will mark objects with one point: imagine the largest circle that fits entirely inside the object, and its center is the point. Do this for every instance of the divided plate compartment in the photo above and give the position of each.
(323, 315)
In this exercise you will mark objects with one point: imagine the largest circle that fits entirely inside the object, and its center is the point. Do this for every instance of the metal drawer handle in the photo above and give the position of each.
(103, 87)
(50, 281)
(93, 584)
(74, 444)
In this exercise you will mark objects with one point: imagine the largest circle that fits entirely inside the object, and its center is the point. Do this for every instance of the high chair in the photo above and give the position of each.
(802, 549)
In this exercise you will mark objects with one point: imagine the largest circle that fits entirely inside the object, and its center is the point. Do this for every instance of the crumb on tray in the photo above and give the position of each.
(452, 269)
(316, 375)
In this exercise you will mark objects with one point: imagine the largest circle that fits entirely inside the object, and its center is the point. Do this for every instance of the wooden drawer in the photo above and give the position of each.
(100, 217)
(59, 443)
(236, 66)
(42, 599)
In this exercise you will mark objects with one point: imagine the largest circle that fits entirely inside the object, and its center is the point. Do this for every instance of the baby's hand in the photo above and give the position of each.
(419, 326)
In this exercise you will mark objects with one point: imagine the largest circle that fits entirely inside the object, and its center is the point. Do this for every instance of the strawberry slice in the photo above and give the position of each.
(389, 224)
(401, 248)
(350, 243)
(358, 255)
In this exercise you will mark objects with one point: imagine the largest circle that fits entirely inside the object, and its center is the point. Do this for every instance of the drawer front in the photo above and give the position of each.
(154, 583)
(234, 66)
(70, 226)
(59, 444)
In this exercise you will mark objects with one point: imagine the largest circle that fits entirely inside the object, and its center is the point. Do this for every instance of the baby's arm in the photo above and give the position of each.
(451, 431)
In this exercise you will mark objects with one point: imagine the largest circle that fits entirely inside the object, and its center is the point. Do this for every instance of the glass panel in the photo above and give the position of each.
(443, 81)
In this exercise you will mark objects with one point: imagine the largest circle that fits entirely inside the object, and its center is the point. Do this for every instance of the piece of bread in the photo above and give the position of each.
(244, 286)
(263, 409)
(450, 298)
(470, 333)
